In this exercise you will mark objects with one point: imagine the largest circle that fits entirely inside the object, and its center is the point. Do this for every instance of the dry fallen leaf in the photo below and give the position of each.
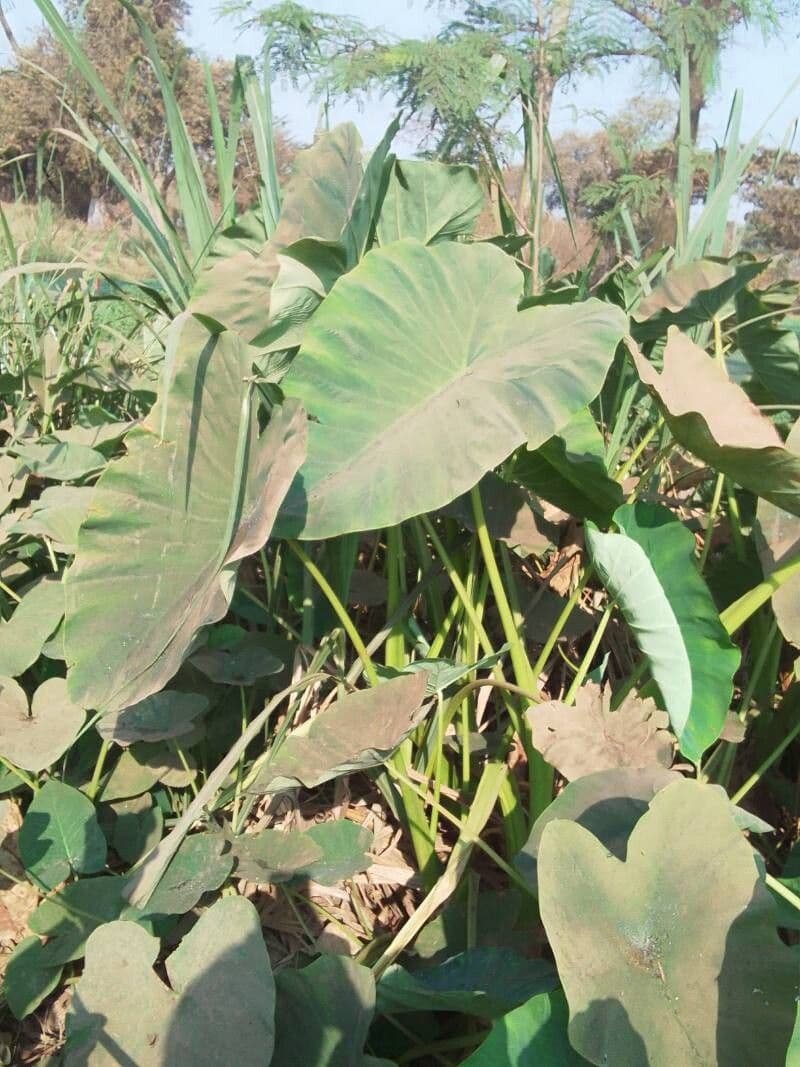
(590, 737)
(714, 419)
(17, 898)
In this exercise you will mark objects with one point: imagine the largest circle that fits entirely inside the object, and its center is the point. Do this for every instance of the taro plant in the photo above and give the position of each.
(391, 677)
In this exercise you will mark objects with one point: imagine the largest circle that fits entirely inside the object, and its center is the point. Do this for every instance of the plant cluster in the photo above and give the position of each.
(391, 654)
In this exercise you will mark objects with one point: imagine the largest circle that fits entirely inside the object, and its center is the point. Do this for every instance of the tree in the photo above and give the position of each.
(490, 73)
(697, 31)
(39, 89)
(619, 175)
(494, 69)
(772, 187)
(36, 93)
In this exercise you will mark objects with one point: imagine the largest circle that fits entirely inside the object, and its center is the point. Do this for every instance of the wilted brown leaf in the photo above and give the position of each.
(777, 537)
(358, 731)
(591, 737)
(713, 418)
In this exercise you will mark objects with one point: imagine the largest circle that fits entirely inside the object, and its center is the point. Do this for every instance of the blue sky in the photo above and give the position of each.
(762, 70)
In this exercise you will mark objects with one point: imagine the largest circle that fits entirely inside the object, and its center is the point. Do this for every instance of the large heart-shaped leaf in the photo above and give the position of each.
(357, 732)
(421, 375)
(692, 294)
(34, 738)
(486, 982)
(673, 955)
(60, 835)
(713, 417)
(607, 803)
(531, 1035)
(325, 853)
(648, 568)
(36, 617)
(219, 1009)
(323, 1014)
(169, 522)
(430, 202)
(569, 470)
(156, 718)
(589, 736)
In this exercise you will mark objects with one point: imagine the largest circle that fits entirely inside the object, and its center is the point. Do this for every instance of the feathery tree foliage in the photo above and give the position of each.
(487, 81)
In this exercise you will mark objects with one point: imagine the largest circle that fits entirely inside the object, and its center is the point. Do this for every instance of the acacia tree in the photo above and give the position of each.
(489, 76)
(697, 31)
(493, 71)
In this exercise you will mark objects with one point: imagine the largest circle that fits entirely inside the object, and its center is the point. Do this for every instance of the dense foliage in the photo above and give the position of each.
(397, 665)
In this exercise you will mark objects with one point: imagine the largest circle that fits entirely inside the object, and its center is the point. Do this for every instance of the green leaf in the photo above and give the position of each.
(141, 766)
(358, 731)
(168, 523)
(59, 461)
(12, 484)
(430, 202)
(156, 718)
(267, 293)
(344, 846)
(35, 738)
(23, 636)
(199, 866)
(793, 1052)
(326, 853)
(323, 1014)
(532, 1035)
(420, 376)
(219, 1009)
(240, 661)
(772, 350)
(189, 182)
(569, 470)
(668, 958)
(68, 917)
(648, 568)
(60, 834)
(486, 982)
(712, 417)
(692, 294)
(442, 673)
(233, 288)
(57, 515)
(607, 803)
(29, 977)
(138, 825)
